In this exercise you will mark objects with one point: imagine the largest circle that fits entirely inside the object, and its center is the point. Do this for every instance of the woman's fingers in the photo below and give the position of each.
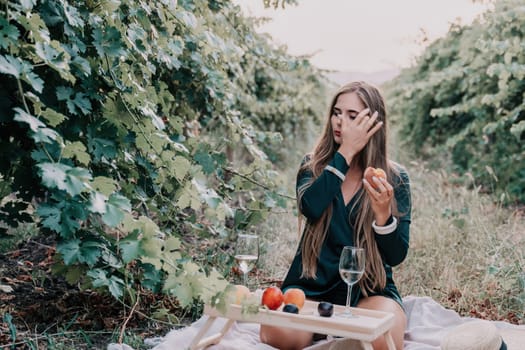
(389, 188)
(362, 116)
(371, 121)
(383, 186)
(368, 121)
(374, 129)
(381, 191)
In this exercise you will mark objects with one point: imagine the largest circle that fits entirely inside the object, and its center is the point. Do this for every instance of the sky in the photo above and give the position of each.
(361, 35)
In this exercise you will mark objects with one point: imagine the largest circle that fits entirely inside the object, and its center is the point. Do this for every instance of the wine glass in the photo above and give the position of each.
(246, 253)
(351, 269)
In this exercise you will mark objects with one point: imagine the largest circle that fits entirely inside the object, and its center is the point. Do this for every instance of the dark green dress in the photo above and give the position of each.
(326, 189)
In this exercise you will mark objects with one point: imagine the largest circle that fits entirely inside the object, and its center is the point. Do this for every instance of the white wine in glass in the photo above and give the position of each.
(246, 253)
(351, 269)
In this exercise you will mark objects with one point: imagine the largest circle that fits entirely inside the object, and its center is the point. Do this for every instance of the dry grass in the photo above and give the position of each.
(466, 252)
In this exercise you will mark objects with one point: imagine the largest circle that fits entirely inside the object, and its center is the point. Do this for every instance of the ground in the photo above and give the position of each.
(42, 305)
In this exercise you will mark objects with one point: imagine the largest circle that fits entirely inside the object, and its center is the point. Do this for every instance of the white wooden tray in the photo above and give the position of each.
(367, 326)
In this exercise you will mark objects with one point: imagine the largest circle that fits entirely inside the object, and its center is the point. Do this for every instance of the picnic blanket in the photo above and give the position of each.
(428, 323)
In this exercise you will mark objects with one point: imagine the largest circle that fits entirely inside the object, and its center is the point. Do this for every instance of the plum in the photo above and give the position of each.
(325, 309)
(291, 308)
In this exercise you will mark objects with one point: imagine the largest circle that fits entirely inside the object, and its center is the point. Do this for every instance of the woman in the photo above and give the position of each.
(342, 208)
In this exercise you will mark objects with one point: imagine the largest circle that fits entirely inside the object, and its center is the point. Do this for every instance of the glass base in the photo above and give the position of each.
(347, 314)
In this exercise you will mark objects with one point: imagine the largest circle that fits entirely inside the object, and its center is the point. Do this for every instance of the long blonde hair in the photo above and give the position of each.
(373, 154)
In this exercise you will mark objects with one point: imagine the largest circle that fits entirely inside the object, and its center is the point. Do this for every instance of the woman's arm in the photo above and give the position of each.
(320, 193)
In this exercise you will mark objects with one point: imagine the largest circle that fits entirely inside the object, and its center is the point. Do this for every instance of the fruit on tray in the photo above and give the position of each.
(239, 294)
(272, 297)
(294, 296)
(370, 172)
(325, 309)
(291, 308)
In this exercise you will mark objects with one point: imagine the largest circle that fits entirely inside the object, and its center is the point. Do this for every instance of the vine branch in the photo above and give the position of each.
(247, 178)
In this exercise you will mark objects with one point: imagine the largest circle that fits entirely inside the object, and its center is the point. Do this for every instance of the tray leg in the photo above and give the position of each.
(196, 344)
(390, 341)
(367, 345)
(212, 339)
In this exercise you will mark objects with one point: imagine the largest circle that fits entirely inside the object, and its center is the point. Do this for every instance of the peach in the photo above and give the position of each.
(294, 296)
(240, 294)
(370, 172)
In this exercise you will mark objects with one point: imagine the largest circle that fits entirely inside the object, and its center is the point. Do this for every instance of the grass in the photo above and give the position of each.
(467, 252)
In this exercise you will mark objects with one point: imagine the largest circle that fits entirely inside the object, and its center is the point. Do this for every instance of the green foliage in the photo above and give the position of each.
(133, 129)
(465, 98)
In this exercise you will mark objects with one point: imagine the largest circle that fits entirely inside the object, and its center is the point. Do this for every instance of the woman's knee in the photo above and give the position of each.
(284, 338)
(397, 331)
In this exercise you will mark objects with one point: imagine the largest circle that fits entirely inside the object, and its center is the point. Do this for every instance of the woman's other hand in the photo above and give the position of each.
(380, 194)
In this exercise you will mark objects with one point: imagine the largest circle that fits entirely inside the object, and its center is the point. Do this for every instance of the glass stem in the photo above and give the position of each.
(245, 279)
(349, 298)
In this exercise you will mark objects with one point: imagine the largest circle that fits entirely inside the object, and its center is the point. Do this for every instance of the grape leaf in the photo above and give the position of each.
(73, 16)
(213, 284)
(172, 244)
(54, 174)
(115, 207)
(27, 5)
(100, 279)
(97, 202)
(51, 216)
(70, 251)
(108, 42)
(53, 117)
(130, 247)
(72, 214)
(151, 278)
(76, 150)
(11, 65)
(76, 179)
(9, 33)
(40, 132)
(181, 167)
(89, 252)
(187, 17)
(204, 158)
(104, 185)
(101, 148)
(74, 101)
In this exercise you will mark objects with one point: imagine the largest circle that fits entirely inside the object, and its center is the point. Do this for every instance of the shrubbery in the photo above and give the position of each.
(464, 98)
(134, 129)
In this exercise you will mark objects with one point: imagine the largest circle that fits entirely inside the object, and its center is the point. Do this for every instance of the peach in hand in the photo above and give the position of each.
(371, 172)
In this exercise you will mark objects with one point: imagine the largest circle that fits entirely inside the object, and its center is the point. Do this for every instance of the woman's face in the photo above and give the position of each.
(348, 105)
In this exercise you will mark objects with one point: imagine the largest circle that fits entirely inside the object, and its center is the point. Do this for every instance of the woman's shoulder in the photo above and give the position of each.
(306, 158)
(399, 173)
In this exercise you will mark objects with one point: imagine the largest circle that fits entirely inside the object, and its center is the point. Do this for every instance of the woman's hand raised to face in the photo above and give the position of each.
(356, 132)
